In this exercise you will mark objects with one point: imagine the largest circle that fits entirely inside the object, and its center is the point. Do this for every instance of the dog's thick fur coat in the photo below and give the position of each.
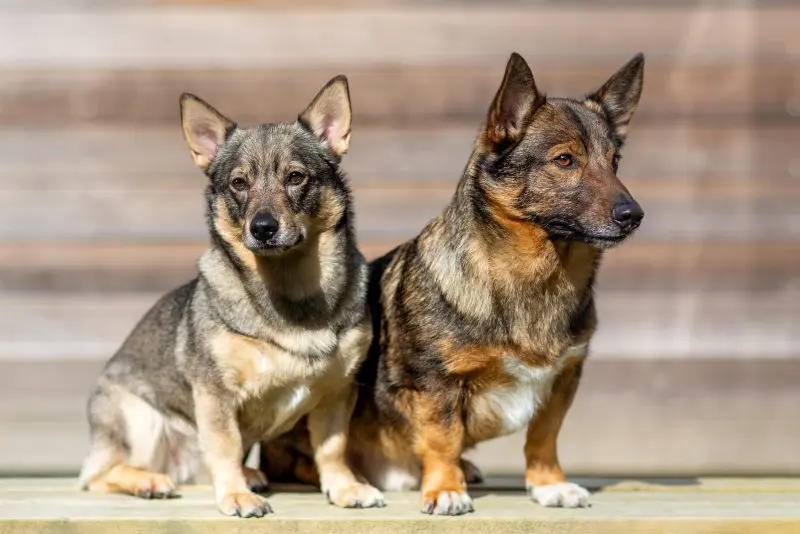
(272, 330)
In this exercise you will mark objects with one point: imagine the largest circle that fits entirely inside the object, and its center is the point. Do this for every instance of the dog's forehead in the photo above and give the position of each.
(572, 119)
(270, 145)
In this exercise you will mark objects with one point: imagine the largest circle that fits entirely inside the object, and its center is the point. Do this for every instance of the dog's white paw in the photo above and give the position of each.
(356, 495)
(244, 504)
(564, 494)
(446, 503)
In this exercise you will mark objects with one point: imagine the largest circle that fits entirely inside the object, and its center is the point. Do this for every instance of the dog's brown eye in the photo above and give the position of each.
(239, 184)
(563, 160)
(295, 178)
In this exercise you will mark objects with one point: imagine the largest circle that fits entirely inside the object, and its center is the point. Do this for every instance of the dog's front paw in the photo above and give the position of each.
(155, 486)
(563, 494)
(256, 479)
(456, 502)
(244, 504)
(355, 495)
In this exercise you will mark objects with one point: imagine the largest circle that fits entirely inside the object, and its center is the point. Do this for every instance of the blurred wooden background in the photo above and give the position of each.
(695, 367)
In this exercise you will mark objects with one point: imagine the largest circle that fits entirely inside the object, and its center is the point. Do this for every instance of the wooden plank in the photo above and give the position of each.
(236, 37)
(610, 4)
(666, 507)
(703, 405)
(717, 211)
(152, 267)
(653, 324)
(100, 158)
(397, 94)
(43, 5)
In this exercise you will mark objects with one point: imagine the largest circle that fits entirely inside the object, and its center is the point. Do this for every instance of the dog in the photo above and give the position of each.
(272, 330)
(482, 323)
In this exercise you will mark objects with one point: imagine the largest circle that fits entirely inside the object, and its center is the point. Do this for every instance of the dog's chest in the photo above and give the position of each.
(508, 407)
(274, 387)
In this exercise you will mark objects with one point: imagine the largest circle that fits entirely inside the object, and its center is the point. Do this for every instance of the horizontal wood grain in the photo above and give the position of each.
(396, 94)
(40, 5)
(235, 37)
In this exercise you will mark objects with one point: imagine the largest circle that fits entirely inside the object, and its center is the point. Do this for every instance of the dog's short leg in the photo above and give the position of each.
(328, 427)
(221, 443)
(439, 444)
(544, 478)
(125, 479)
(129, 446)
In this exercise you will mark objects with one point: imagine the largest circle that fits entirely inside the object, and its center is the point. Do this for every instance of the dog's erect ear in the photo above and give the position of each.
(619, 96)
(514, 105)
(204, 128)
(328, 115)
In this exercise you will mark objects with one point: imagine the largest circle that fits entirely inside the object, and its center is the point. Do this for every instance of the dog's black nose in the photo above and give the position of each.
(263, 226)
(627, 214)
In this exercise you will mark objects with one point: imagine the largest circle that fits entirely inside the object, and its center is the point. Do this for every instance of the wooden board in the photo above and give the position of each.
(185, 36)
(40, 5)
(386, 93)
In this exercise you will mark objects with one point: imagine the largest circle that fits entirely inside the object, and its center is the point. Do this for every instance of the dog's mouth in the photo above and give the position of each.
(272, 248)
(564, 230)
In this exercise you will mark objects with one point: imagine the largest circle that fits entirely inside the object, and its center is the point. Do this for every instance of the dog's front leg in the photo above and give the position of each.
(221, 444)
(544, 478)
(328, 426)
(439, 443)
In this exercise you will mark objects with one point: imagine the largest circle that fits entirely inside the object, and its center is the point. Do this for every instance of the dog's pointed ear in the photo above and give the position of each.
(514, 104)
(620, 95)
(329, 115)
(204, 128)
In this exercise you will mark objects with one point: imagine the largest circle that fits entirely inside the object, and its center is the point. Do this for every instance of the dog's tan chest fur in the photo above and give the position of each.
(275, 388)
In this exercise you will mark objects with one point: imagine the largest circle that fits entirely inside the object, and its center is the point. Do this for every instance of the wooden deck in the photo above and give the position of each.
(101, 207)
(730, 506)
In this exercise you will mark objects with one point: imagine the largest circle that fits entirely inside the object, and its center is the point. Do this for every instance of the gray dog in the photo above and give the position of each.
(272, 330)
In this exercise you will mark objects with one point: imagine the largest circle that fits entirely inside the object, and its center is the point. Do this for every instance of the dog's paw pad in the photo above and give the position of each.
(244, 505)
(256, 479)
(155, 486)
(356, 495)
(564, 494)
(446, 503)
